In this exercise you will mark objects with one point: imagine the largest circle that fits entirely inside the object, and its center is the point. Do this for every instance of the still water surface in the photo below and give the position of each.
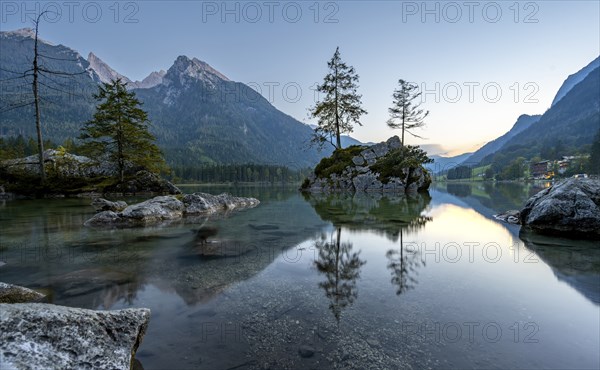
(325, 281)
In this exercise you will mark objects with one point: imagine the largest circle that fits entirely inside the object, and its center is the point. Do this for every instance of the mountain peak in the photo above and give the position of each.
(23, 32)
(28, 33)
(104, 71)
(195, 68)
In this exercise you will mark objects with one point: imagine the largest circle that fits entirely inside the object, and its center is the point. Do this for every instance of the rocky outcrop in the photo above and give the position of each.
(64, 164)
(16, 294)
(169, 208)
(144, 182)
(360, 175)
(568, 208)
(45, 336)
(73, 174)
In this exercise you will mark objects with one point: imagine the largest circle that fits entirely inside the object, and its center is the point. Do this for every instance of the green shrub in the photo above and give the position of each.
(404, 157)
(340, 159)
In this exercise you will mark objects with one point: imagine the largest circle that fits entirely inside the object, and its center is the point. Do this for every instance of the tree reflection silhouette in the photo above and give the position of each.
(403, 265)
(341, 267)
(383, 214)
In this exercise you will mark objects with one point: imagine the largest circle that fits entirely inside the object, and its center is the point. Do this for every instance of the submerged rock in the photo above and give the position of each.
(16, 294)
(45, 336)
(169, 208)
(512, 217)
(568, 208)
(102, 204)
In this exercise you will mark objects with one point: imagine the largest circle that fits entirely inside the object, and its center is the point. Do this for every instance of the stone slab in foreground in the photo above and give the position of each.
(46, 336)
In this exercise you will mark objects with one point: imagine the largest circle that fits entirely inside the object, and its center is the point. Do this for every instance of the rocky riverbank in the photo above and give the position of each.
(165, 209)
(569, 208)
(385, 167)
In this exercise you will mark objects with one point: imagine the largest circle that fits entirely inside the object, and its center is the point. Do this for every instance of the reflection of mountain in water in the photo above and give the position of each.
(341, 268)
(575, 262)
(384, 214)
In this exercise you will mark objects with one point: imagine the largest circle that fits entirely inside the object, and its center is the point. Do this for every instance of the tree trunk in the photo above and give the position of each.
(337, 115)
(38, 124)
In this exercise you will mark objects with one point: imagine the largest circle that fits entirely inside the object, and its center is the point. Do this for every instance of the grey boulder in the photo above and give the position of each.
(45, 336)
(152, 211)
(568, 208)
(203, 203)
(169, 208)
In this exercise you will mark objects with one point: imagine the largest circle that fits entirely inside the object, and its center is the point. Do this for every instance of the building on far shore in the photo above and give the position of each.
(539, 170)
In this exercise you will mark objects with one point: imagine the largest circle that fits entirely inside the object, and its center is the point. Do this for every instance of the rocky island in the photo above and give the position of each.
(388, 166)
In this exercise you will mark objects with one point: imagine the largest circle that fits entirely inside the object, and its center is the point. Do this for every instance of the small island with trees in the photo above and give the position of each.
(389, 166)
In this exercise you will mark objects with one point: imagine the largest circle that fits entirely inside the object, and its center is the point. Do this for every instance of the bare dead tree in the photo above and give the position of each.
(36, 71)
(36, 98)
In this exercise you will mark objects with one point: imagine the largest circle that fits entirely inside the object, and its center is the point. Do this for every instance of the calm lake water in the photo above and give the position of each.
(360, 282)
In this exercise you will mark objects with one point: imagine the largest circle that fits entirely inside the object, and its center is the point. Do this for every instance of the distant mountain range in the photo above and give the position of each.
(570, 124)
(571, 121)
(198, 115)
(523, 122)
(574, 79)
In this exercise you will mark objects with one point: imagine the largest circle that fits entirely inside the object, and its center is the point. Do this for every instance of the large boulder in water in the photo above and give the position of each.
(569, 208)
(169, 208)
(152, 211)
(45, 336)
(203, 203)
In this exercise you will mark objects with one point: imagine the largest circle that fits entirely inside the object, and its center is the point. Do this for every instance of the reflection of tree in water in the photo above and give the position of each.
(375, 212)
(341, 267)
(386, 214)
(403, 264)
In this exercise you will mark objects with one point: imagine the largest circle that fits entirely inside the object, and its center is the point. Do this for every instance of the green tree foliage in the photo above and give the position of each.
(460, 173)
(341, 107)
(397, 160)
(594, 163)
(120, 130)
(18, 147)
(405, 114)
(238, 173)
(515, 170)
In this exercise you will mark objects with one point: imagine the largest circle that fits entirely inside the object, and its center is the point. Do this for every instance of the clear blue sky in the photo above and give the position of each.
(524, 49)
